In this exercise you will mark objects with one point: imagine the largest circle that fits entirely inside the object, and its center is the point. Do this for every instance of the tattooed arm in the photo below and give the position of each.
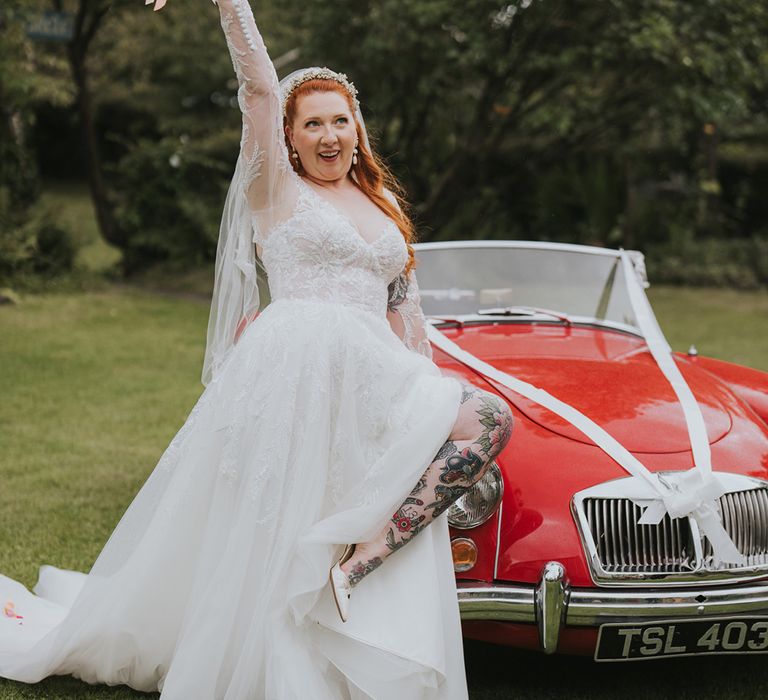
(405, 315)
(404, 307)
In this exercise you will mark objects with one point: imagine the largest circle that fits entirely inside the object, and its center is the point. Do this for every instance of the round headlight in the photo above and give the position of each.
(479, 502)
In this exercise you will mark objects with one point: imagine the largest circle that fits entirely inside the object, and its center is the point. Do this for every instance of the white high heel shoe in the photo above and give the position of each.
(340, 586)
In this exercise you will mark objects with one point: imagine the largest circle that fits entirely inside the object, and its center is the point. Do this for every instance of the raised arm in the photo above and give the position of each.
(269, 176)
(405, 315)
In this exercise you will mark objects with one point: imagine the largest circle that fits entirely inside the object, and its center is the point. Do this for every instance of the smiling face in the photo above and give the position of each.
(323, 134)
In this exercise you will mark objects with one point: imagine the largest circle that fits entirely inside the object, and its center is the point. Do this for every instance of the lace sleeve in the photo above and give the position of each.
(405, 315)
(267, 174)
(262, 192)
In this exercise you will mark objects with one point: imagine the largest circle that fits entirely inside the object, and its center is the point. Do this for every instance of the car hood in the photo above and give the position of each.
(609, 376)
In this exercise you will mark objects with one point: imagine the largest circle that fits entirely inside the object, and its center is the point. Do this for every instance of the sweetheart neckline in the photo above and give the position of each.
(347, 218)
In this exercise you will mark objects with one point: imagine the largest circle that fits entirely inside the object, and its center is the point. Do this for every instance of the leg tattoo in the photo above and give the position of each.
(462, 465)
(456, 467)
(360, 569)
(468, 391)
(496, 420)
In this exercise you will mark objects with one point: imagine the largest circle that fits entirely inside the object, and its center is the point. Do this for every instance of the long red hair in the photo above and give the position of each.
(371, 175)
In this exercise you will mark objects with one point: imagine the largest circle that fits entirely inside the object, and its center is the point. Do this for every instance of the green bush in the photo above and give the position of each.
(32, 241)
(173, 192)
(16, 244)
(55, 248)
(708, 262)
(17, 248)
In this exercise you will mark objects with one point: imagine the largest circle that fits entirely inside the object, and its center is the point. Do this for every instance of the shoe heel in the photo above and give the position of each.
(340, 583)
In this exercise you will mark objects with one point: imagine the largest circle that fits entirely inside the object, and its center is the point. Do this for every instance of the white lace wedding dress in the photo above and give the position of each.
(314, 429)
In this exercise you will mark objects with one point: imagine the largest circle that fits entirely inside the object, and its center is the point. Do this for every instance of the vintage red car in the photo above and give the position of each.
(547, 550)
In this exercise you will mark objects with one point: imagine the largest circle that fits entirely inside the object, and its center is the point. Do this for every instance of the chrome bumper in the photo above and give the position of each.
(552, 603)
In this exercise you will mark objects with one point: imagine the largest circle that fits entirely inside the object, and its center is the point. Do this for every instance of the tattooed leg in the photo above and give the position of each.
(458, 464)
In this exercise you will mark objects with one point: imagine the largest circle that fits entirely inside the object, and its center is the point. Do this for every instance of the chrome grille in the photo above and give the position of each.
(624, 546)
(745, 517)
(621, 550)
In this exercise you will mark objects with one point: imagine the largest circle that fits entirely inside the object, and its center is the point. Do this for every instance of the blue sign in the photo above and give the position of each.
(52, 26)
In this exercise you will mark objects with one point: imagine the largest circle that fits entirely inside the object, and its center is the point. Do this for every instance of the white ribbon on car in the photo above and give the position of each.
(691, 493)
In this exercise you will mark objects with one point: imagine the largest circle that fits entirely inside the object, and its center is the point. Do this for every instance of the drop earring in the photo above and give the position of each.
(354, 155)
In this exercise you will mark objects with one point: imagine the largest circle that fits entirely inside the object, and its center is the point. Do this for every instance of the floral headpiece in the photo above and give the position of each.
(319, 74)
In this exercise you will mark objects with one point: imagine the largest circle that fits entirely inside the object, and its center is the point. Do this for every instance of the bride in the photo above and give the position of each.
(324, 442)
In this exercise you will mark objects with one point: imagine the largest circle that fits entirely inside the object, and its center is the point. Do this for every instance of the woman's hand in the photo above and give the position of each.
(244, 321)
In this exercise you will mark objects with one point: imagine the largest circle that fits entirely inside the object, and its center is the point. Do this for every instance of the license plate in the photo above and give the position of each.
(667, 638)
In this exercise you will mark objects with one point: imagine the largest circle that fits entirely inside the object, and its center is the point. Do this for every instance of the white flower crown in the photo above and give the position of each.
(319, 74)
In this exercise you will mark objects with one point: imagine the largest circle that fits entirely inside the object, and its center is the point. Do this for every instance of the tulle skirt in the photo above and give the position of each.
(214, 583)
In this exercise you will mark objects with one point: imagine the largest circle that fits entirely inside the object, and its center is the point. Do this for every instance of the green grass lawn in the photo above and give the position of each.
(722, 323)
(94, 385)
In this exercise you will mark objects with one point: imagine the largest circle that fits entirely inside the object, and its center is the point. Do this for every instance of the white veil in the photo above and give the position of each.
(239, 275)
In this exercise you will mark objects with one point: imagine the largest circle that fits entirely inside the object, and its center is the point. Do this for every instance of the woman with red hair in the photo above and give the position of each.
(325, 441)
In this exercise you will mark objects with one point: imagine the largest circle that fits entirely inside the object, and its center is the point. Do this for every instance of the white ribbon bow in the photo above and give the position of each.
(691, 493)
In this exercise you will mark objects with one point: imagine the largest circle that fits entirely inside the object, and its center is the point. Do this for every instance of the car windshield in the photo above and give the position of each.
(465, 280)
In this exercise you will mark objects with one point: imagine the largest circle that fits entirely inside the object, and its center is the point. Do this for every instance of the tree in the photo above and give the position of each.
(89, 18)
(166, 92)
(28, 77)
(476, 99)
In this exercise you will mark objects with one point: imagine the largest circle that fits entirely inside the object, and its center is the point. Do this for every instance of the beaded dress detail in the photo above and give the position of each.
(311, 432)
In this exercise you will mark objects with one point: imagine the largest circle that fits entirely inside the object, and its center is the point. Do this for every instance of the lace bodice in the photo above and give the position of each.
(317, 253)
(309, 247)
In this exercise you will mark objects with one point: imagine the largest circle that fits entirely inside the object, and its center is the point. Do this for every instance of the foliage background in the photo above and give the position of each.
(639, 123)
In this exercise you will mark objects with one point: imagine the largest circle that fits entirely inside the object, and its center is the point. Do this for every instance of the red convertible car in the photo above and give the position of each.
(547, 547)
